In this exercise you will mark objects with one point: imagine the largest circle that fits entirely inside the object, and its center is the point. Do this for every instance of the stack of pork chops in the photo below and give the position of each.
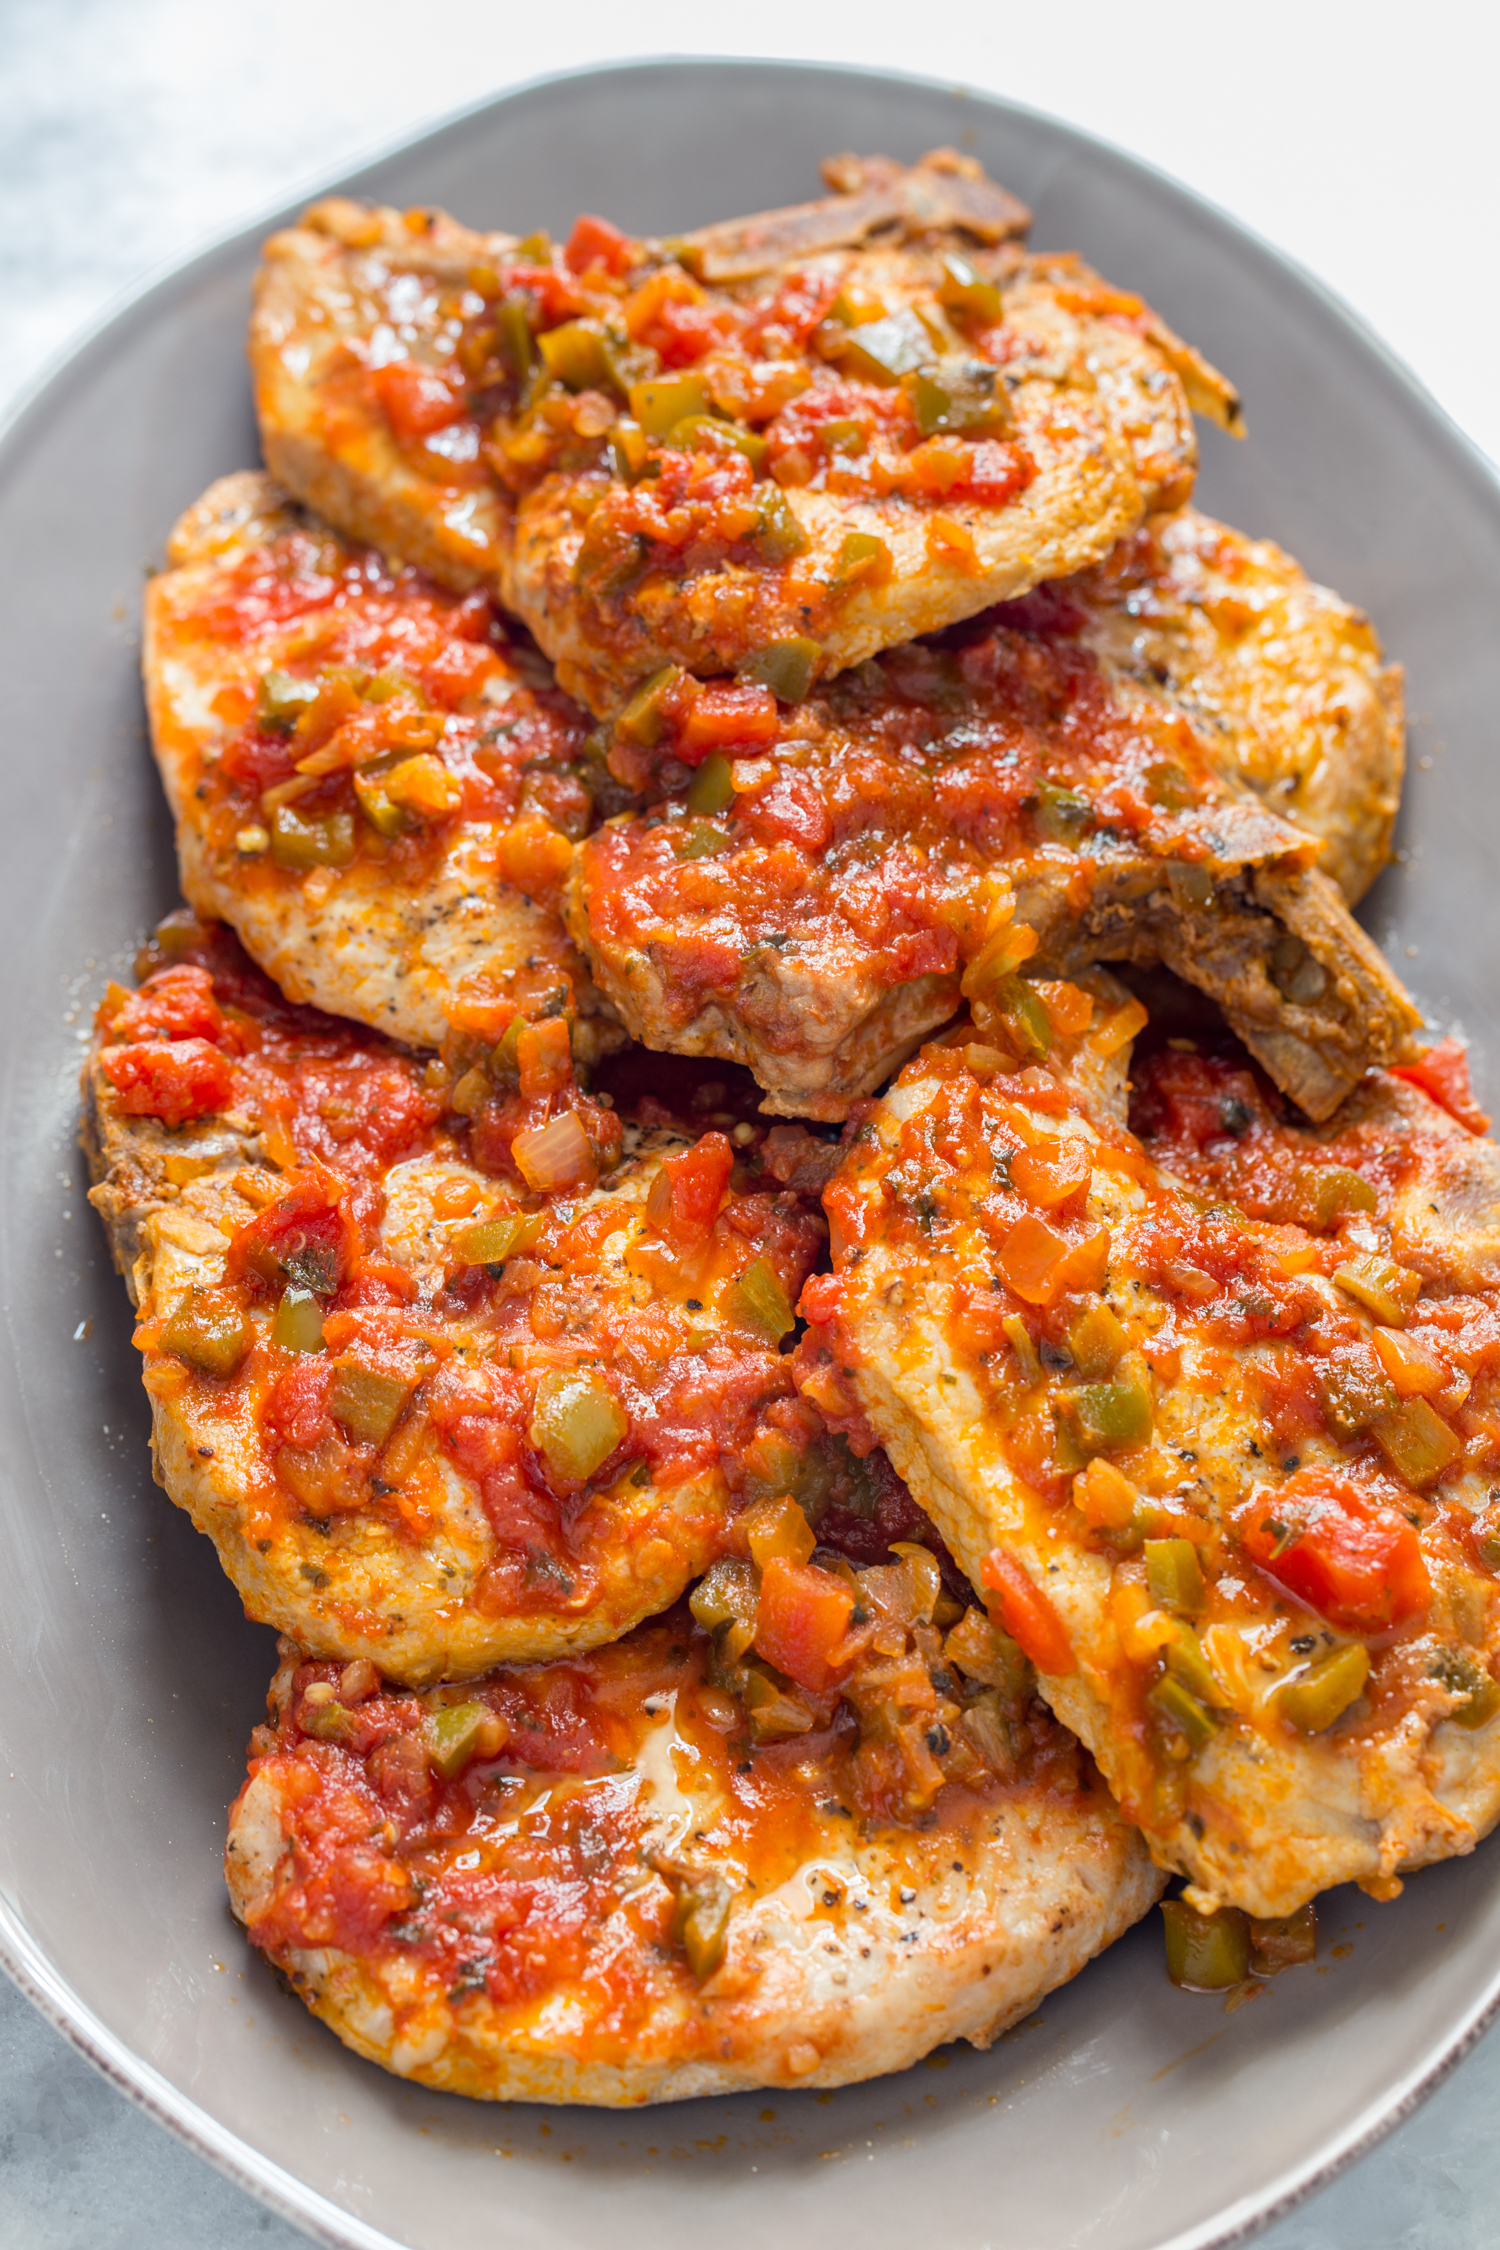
(779, 1219)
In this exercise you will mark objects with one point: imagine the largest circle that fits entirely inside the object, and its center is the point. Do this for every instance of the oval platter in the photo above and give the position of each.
(1123, 2113)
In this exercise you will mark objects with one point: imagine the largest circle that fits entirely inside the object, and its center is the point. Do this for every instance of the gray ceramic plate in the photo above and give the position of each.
(1123, 2114)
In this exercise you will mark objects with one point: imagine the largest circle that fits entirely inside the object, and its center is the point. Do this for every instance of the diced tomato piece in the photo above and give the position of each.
(533, 856)
(684, 333)
(1443, 1072)
(1070, 1009)
(233, 704)
(998, 472)
(259, 760)
(295, 1411)
(417, 401)
(687, 1192)
(1085, 1266)
(556, 297)
(174, 1004)
(594, 242)
(173, 1079)
(804, 1615)
(936, 468)
(472, 618)
(1027, 1614)
(1355, 1562)
(821, 1298)
(544, 1056)
(303, 1236)
(791, 811)
(1187, 1098)
(360, 1113)
(459, 668)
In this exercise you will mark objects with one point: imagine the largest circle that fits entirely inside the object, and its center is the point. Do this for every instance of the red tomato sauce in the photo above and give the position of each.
(354, 666)
(857, 841)
(499, 1876)
(335, 1108)
(1330, 1501)
(535, 368)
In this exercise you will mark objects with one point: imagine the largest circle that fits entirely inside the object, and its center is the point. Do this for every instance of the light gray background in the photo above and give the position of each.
(132, 129)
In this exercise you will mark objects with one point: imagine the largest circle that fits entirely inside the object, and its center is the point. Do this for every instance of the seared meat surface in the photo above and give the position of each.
(1282, 680)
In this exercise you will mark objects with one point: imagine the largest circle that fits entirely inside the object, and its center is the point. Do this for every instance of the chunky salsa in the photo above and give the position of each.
(463, 1268)
(609, 1828)
(1231, 1459)
(811, 886)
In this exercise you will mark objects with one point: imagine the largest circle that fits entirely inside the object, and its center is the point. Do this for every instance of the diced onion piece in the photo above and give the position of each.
(1103, 1497)
(1070, 1010)
(1417, 1442)
(778, 1527)
(1049, 1176)
(556, 1155)
(982, 1652)
(1415, 1372)
(1117, 1030)
(1028, 1258)
(423, 785)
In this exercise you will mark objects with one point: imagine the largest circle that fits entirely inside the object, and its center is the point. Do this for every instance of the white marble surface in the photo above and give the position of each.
(1361, 140)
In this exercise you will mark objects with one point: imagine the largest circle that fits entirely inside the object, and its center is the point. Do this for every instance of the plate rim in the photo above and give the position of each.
(21, 1957)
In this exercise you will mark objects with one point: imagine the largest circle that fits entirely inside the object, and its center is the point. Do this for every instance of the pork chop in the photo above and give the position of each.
(792, 442)
(816, 885)
(375, 783)
(1226, 1468)
(620, 1879)
(451, 1368)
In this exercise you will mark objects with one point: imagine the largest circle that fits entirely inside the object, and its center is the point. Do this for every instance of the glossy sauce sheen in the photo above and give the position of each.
(626, 1882)
(813, 887)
